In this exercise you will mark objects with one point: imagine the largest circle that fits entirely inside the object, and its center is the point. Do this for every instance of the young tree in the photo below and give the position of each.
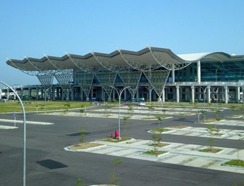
(83, 135)
(114, 178)
(159, 118)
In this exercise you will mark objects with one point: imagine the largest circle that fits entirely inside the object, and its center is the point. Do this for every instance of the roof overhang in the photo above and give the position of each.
(149, 56)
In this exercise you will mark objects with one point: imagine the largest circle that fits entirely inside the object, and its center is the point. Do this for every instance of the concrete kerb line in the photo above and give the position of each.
(7, 127)
(27, 122)
(212, 160)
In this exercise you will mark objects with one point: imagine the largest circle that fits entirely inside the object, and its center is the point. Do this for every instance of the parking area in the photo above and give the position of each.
(49, 163)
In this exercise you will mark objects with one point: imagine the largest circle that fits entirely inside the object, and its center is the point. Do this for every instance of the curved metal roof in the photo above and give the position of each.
(207, 56)
(117, 60)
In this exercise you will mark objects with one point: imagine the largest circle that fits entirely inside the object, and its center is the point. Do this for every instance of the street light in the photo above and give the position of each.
(204, 92)
(24, 123)
(119, 94)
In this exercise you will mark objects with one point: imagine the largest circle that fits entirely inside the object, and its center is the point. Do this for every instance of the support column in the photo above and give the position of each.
(21, 93)
(114, 95)
(29, 93)
(150, 95)
(109, 96)
(192, 93)
(238, 96)
(7, 94)
(37, 93)
(53, 89)
(163, 95)
(173, 74)
(226, 94)
(137, 93)
(63, 93)
(177, 93)
(72, 93)
(81, 94)
(208, 94)
(125, 95)
(91, 92)
(199, 71)
(14, 94)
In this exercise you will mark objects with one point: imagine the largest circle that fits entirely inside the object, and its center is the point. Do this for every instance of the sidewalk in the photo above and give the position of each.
(176, 153)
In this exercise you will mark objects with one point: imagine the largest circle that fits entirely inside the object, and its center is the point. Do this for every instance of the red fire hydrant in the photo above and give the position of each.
(116, 134)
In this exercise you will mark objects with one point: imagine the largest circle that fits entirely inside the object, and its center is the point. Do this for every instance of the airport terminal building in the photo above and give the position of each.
(155, 74)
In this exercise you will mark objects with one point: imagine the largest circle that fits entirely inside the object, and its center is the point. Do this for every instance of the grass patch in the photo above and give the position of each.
(235, 162)
(211, 149)
(154, 152)
(116, 140)
(160, 130)
(40, 105)
(84, 146)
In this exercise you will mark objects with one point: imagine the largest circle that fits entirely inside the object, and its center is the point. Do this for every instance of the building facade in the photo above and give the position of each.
(154, 74)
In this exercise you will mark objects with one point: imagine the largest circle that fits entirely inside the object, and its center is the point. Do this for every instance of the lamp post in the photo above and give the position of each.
(204, 92)
(119, 94)
(24, 140)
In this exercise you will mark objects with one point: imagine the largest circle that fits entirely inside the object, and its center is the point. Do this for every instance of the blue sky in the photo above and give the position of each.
(54, 27)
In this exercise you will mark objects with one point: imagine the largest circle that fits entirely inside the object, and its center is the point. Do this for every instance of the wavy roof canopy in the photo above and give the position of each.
(117, 59)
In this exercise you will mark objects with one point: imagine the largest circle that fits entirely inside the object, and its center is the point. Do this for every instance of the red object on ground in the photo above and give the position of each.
(116, 134)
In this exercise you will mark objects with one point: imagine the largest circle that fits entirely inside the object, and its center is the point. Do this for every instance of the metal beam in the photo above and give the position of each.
(84, 68)
(137, 66)
(32, 73)
(107, 65)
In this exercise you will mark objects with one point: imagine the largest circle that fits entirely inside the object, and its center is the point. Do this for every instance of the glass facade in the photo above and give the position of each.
(229, 71)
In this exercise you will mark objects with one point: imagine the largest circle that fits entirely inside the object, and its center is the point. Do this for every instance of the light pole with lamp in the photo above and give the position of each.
(119, 94)
(24, 123)
(204, 93)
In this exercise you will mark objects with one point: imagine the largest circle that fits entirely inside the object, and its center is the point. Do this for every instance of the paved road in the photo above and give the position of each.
(49, 164)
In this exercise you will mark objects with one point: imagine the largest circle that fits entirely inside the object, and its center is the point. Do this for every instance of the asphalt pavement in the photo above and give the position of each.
(49, 164)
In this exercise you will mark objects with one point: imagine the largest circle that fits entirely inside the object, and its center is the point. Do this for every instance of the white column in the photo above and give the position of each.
(192, 93)
(163, 95)
(177, 93)
(208, 94)
(173, 74)
(226, 94)
(199, 71)
(238, 94)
